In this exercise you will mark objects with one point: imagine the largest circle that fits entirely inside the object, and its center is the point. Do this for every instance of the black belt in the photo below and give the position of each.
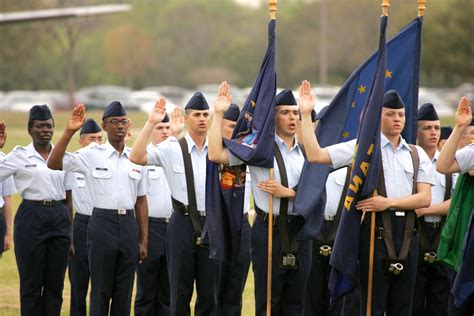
(120, 211)
(432, 224)
(158, 219)
(47, 203)
(263, 216)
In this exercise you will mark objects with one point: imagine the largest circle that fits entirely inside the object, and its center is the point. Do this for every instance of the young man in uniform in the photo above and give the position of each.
(7, 189)
(184, 164)
(153, 286)
(433, 280)
(117, 234)
(291, 259)
(403, 187)
(79, 274)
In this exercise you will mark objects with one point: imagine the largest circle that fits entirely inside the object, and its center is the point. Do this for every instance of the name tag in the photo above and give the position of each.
(399, 213)
(30, 166)
(101, 169)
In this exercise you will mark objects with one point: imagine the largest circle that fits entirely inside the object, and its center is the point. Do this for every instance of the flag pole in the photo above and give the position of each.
(385, 4)
(421, 7)
(272, 8)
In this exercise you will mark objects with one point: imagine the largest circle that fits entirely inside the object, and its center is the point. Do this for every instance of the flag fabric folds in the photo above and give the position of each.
(253, 142)
(341, 120)
(363, 180)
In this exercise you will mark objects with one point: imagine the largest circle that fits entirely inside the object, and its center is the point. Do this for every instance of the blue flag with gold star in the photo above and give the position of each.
(341, 120)
(363, 180)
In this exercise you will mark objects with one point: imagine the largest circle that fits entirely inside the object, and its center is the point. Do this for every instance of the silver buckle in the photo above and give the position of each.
(329, 218)
(122, 211)
(396, 268)
(48, 203)
(398, 213)
(325, 250)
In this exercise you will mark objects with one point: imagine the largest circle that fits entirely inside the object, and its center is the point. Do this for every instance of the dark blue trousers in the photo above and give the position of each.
(288, 286)
(229, 279)
(42, 240)
(391, 294)
(433, 283)
(186, 264)
(79, 274)
(153, 285)
(3, 230)
(317, 296)
(113, 252)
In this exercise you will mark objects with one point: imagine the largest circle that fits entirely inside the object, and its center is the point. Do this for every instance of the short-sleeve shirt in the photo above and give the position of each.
(81, 197)
(7, 186)
(397, 165)
(112, 179)
(33, 179)
(293, 159)
(168, 155)
(334, 187)
(158, 193)
(465, 158)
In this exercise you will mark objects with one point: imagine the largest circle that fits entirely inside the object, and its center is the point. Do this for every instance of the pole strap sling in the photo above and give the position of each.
(395, 262)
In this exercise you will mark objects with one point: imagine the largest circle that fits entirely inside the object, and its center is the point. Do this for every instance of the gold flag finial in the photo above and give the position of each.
(421, 7)
(385, 4)
(273, 8)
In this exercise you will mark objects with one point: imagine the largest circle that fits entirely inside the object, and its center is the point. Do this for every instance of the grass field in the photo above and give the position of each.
(9, 281)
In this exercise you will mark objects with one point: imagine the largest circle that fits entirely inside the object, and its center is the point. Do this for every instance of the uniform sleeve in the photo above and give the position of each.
(69, 181)
(233, 160)
(8, 166)
(8, 187)
(425, 169)
(341, 154)
(77, 161)
(143, 183)
(465, 158)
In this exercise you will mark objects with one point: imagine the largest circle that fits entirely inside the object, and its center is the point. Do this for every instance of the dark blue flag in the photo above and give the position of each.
(254, 135)
(363, 180)
(341, 120)
(253, 142)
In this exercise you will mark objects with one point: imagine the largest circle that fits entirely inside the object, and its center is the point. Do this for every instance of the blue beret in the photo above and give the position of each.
(197, 102)
(232, 113)
(445, 132)
(285, 97)
(90, 127)
(427, 112)
(40, 113)
(114, 109)
(392, 100)
(166, 119)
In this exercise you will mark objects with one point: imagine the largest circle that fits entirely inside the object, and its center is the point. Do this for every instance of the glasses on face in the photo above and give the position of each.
(117, 122)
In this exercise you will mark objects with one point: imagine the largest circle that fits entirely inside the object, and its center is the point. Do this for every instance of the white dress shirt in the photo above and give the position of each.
(33, 179)
(293, 159)
(158, 193)
(113, 180)
(168, 155)
(465, 158)
(7, 186)
(81, 197)
(334, 187)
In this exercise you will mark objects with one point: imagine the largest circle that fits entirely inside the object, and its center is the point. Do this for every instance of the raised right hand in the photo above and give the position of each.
(158, 112)
(463, 115)
(306, 98)
(223, 98)
(77, 118)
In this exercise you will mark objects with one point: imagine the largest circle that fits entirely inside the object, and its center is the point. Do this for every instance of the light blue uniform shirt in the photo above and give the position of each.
(438, 190)
(158, 193)
(81, 197)
(334, 187)
(465, 158)
(7, 186)
(33, 179)
(397, 165)
(293, 159)
(113, 180)
(248, 191)
(168, 155)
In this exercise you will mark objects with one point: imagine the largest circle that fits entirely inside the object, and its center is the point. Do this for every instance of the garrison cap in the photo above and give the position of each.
(285, 97)
(114, 109)
(392, 100)
(166, 119)
(427, 112)
(40, 113)
(445, 132)
(197, 102)
(90, 127)
(232, 113)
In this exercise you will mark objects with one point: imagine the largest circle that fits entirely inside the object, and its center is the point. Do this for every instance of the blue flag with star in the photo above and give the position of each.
(363, 180)
(341, 120)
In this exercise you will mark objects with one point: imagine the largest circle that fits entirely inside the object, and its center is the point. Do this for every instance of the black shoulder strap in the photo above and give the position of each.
(188, 169)
(448, 187)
